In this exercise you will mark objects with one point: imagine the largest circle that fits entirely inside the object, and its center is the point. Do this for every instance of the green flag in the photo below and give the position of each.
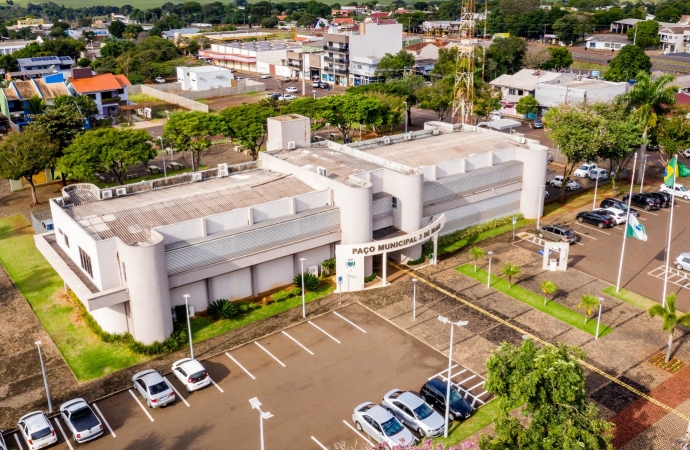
(635, 229)
(683, 170)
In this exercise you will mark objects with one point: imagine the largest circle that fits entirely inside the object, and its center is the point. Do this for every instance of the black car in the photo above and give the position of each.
(434, 393)
(538, 123)
(620, 204)
(664, 198)
(644, 201)
(595, 218)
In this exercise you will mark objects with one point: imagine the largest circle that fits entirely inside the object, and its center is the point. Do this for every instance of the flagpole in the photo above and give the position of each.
(627, 223)
(670, 228)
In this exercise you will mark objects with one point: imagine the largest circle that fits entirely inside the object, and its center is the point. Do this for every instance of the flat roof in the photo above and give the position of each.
(615, 38)
(339, 166)
(132, 217)
(444, 147)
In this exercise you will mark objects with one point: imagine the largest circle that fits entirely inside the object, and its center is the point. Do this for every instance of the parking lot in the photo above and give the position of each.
(309, 376)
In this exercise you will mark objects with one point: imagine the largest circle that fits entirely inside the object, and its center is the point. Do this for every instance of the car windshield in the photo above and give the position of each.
(569, 233)
(40, 433)
(158, 388)
(584, 167)
(681, 188)
(392, 427)
(83, 412)
(423, 411)
(454, 396)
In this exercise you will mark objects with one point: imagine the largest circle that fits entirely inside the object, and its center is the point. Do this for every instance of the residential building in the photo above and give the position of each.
(309, 56)
(683, 83)
(132, 253)
(514, 87)
(344, 23)
(675, 39)
(170, 34)
(576, 91)
(220, 37)
(77, 33)
(376, 16)
(9, 47)
(684, 19)
(610, 42)
(39, 65)
(204, 78)
(15, 98)
(423, 50)
(106, 89)
(29, 23)
(622, 26)
(258, 56)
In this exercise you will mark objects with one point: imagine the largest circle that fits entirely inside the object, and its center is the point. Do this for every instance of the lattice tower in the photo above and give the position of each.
(463, 100)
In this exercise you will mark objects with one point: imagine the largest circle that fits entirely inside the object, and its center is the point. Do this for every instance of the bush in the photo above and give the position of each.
(223, 309)
(281, 295)
(415, 262)
(311, 283)
(180, 317)
(468, 232)
(371, 277)
(295, 292)
(329, 265)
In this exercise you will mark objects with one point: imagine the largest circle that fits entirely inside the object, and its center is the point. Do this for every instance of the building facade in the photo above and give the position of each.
(514, 87)
(106, 90)
(610, 42)
(578, 91)
(204, 77)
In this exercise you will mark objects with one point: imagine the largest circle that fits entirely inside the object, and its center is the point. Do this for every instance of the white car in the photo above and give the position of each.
(678, 191)
(686, 153)
(414, 412)
(287, 97)
(160, 80)
(191, 373)
(558, 182)
(617, 215)
(381, 425)
(81, 420)
(265, 76)
(495, 115)
(602, 174)
(583, 170)
(37, 430)
(153, 388)
(292, 89)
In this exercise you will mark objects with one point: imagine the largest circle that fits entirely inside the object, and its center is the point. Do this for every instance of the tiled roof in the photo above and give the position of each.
(416, 47)
(10, 93)
(98, 83)
(26, 89)
(342, 20)
(51, 90)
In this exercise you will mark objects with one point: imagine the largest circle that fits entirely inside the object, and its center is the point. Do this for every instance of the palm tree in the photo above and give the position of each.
(510, 270)
(548, 288)
(35, 105)
(589, 303)
(670, 319)
(476, 253)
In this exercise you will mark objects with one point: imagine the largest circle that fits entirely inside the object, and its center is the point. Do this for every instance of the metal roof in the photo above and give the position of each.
(339, 166)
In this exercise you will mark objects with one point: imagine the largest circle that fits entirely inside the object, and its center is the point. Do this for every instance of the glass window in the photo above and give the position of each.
(454, 396)
(158, 388)
(423, 411)
(40, 433)
(85, 262)
(392, 427)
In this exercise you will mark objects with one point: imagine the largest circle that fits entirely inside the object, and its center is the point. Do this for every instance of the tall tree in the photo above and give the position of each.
(535, 57)
(505, 55)
(438, 97)
(192, 131)
(116, 28)
(572, 27)
(550, 385)
(107, 150)
(510, 270)
(391, 113)
(407, 87)
(26, 154)
(394, 66)
(673, 134)
(247, 124)
(670, 319)
(588, 303)
(527, 105)
(628, 63)
(84, 104)
(342, 111)
(644, 34)
(561, 58)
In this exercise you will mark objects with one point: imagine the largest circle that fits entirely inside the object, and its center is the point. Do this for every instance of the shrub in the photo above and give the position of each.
(223, 309)
(295, 292)
(329, 265)
(180, 311)
(311, 283)
(281, 295)
(468, 232)
(416, 262)
(371, 277)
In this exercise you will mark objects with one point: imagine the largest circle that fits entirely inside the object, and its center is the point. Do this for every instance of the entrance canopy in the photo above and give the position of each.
(501, 124)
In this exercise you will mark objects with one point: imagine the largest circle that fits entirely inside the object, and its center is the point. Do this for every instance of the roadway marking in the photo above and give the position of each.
(142, 406)
(647, 212)
(321, 330)
(216, 385)
(319, 443)
(346, 320)
(269, 353)
(466, 379)
(57, 422)
(16, 438)
(584, 235)
(585, 364)
(176, 391)
(241, 366)
(591, 228)
(476, 385)
(298, 343)
(441, 372)
(356, 431)
(104, 421)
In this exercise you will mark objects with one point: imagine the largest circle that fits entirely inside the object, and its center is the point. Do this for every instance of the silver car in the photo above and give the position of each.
(154, 388)
(682, 261)
(381, 425)
(3, 445)
(414, 412)
(81, 420)
(37, 430)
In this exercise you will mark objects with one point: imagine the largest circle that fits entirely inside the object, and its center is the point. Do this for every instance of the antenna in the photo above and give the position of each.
(464, 66)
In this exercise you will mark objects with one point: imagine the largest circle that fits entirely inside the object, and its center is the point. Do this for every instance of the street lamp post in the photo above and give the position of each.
(256, 404)
(644, 166)
(596, 186)
(405, 117)
(165, 173)
(541, 203)
(458, 323)
(596, 334)
(414, 298)
(189, 325)
(304, 308)
(45, 376)
(488, 279)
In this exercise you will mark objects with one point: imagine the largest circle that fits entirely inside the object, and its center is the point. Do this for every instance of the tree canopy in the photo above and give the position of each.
(527, 105)
(394, 66)
(628, 63)
(505, 55)
(247, 124)
(192, 131)
(644, 34)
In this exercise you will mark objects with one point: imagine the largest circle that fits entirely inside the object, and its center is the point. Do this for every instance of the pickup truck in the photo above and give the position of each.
(81, 420)
(678, 191)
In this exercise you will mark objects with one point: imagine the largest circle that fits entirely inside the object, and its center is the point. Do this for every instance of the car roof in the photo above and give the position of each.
(561, 226)
(379, 413)
(149, 377)
(410, 399)
(684, 254)
(191, 365)
(35, 421)
(73, 404)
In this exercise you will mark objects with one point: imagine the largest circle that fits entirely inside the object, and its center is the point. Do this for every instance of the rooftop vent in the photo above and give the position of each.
(322, 171)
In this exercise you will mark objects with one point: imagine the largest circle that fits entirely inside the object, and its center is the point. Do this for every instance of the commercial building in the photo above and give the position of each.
(186, 32)
(610, 42)
(131, 253)
(9, 47)
(106, 90)
(256, 56)
(523, 83)
(204, 77)
(578, 91)
(77, 33)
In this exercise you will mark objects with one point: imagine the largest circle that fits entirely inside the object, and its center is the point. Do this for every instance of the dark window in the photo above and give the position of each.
(158, 388)
(85, 262)
(423, 411)
(67, 241)
(124, 272)
(394, 202)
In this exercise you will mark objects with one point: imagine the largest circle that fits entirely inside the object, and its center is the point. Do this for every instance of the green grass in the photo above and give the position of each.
(464, 242)
(460, 431)
(204, 327)
(630, 297)
(589, 66)
(86, 354)
(536, 301)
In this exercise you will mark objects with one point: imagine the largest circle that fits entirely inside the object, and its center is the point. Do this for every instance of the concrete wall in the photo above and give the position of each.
(377, 40)
(273, 274)
(198, 295)
(243, 87)
(288, 128)
(112, 318)
(175, 99)
(533, 177)
(554, 95)
(314, 257)
(232, 285)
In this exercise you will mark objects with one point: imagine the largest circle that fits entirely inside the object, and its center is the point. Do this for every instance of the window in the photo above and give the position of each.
(124, 272)
(394, 202)
(512, 91)
(67, 241)
(520, 92)
(120, 91)
(85, 262)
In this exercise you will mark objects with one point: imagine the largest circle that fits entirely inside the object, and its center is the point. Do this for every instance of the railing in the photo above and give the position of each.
(342, 71)
(294, 64)
(345, 49)
(337, 60)
(106, 101)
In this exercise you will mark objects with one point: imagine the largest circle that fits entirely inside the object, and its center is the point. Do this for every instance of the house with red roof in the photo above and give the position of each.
(106, 89)
(344, 22)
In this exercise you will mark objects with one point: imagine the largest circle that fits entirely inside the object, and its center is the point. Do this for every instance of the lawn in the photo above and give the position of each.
(589, 66)
(536, 301)
(204, 327)
(630, 297)
(461, 431)
(86, 354)
(464, 242)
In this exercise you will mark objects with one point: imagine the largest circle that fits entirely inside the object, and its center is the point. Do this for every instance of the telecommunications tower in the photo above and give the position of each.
(463, 92)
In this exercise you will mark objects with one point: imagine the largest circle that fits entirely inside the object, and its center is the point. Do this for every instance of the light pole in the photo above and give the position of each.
(459, 323)
(488, 279)
(304, 308)
(165, 173)
(189, 325)
(405, 117)
(541, 203)
(414, 298)
(644, 166)
(596, 186)
(45, 377)
(256, 404)
(601, 301)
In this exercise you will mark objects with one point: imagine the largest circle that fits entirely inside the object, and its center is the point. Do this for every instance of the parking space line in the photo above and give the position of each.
(319, 443)
(467, 379)
(269, 353)
(591, 228)
(476, 385)
(321, 330)
(241, 366)
(298, 343)
(441, 372)
(584, 235)
(456, 374)
(216, 385)
(647, 212)
(176, 391)
(142, 406)
(57, 422)
(16, 438)
(346, 320)
(355, 430)
(103, 418)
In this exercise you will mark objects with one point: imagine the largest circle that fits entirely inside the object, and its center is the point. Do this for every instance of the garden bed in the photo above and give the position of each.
(672, 366)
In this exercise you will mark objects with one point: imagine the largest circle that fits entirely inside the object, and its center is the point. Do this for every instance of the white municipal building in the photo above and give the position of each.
(131, 253)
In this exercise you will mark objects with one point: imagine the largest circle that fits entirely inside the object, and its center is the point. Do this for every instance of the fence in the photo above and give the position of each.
(37, 218)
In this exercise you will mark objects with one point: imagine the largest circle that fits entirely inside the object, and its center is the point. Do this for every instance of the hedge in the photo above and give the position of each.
(469, 232)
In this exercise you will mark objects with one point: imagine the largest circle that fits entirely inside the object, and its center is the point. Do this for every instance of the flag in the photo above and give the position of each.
(635, 229)
(683, 170)
(669, 173)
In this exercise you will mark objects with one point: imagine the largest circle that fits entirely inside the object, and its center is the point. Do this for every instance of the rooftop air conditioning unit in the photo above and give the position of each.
(435, 132)
(196, 176)
(107, 194)
(322, 171)
(291, 145)
(522, 140)
(387, 140)
(314, 270)
(121, 191)
(408, 137)
(223, 170)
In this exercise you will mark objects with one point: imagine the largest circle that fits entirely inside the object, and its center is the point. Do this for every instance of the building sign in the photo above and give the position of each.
(400, 242)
